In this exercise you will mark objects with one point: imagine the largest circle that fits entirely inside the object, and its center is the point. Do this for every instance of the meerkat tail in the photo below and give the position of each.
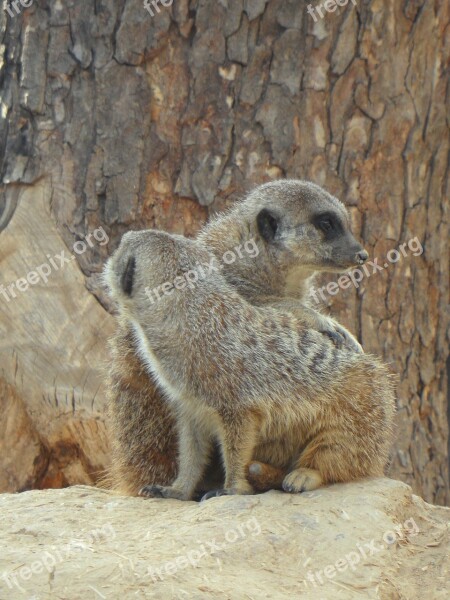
(264, 477)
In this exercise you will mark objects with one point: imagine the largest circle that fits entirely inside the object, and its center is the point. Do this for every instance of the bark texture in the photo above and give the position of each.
(111, 117)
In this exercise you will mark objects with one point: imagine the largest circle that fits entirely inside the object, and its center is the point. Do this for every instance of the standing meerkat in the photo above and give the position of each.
(257, 379)
(285, 219)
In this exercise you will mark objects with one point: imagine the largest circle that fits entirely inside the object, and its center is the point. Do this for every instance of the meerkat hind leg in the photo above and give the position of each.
(237, 441)
(195, 446)
(331, 457)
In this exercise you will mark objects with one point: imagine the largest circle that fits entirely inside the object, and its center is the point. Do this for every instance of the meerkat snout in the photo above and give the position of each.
(362, 256)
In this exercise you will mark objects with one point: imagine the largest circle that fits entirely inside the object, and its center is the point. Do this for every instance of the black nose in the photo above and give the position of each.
(362, 256)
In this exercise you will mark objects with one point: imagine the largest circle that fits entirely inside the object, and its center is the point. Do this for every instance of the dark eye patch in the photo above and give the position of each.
(329, 224)
(128, 276)
(267, 225)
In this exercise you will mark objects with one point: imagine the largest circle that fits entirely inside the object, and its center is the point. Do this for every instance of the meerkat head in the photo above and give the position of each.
(144, 270)
(301, 223)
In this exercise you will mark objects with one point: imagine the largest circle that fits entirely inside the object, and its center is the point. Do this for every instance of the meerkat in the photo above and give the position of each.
(301, 230)
(257, 379)
(285, 218)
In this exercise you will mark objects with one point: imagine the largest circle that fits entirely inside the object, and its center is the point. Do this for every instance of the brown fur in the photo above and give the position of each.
(144, 440)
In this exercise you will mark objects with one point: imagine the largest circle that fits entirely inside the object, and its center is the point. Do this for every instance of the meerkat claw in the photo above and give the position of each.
(151, 491)
(214, 494)
(162, 491)
(336, 337)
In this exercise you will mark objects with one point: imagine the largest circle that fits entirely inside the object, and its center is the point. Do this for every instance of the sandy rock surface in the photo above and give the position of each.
(371, 539)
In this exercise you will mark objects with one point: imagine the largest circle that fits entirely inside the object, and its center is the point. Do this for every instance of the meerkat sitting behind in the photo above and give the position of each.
(256, 379)
(299, 230)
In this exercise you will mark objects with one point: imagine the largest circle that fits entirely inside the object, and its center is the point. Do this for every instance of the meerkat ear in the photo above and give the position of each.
(267, 225)
(126, 281)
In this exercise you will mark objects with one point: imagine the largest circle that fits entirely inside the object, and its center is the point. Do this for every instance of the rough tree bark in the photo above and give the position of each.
(114, 118)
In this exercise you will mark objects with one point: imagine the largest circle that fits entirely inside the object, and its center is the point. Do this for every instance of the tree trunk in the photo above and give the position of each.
(116, 119)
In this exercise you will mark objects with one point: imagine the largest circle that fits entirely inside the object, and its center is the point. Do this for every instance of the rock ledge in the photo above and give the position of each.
(370, 539)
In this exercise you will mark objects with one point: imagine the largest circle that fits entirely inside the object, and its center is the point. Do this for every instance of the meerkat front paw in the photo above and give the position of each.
(335, 337)
(342, 339)
(350, 342)
(302, 480)
(162, 491)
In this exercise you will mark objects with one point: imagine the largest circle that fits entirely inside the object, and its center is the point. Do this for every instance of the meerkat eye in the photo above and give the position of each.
(267, 225)
(326, 225)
